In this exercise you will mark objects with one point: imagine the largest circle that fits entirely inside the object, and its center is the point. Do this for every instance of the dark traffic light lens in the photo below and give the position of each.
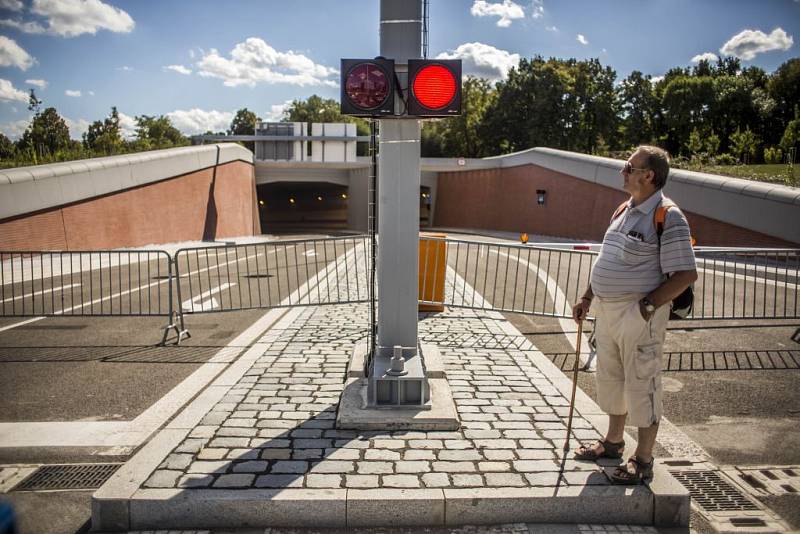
(367, 85)
(434, 86)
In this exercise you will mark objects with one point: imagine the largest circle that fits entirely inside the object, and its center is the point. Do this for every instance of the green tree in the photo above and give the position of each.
(157, 132)
(244, 123)
(639, 106)
(685, 105)
(46, 135)
(791, 137)
(784, 88)
(744, 144)
(695, 143)
(7, 149)
(712, 144)
(105, 136)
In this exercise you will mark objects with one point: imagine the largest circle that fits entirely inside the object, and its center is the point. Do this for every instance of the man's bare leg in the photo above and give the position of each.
(647, 440)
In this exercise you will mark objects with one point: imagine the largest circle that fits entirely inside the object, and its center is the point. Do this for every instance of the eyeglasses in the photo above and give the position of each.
(629, 169)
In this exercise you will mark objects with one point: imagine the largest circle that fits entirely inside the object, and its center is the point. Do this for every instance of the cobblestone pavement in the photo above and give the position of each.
(276, 427)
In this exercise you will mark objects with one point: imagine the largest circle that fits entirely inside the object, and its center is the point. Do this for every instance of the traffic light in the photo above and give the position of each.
(367, 87)
(434, 87)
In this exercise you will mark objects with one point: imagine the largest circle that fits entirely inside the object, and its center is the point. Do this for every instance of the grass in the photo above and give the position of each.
(772, 173)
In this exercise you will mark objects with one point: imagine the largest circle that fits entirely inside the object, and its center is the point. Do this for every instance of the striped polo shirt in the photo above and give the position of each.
(630, 261)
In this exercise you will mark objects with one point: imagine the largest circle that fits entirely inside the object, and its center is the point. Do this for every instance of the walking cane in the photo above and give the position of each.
(574, 382)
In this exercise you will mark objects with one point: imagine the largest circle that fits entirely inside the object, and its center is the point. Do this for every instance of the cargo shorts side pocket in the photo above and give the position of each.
(648, 361)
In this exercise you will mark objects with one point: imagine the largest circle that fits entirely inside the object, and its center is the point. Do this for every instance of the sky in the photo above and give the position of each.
(198, 61)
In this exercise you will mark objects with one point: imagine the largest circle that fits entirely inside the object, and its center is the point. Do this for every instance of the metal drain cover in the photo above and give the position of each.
(67, 477)
(712, 493)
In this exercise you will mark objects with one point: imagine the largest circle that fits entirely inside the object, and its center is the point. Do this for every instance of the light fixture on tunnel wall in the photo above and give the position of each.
(344, 195)
(541, 195)
(261, 202)
(291, 201)
(319, 198)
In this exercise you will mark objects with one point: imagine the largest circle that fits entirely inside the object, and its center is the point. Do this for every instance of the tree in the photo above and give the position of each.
(34, 103)
(784, 88)
(744, 144)
(47, 134)
(104, 136)
(639, 106)
(695, 143)
(791, 137)
(7, 150)
(157, 132)
(244, 123)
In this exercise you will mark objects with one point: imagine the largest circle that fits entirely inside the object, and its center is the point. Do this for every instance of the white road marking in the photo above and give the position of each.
(133, 433)
(198, 303)
(9, 327)
(35, 293)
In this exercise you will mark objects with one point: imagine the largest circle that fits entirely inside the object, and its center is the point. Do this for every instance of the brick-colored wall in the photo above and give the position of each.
(505, 199)
(167, 211)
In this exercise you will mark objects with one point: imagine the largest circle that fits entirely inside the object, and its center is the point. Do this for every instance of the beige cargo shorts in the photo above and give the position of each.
(629, 351)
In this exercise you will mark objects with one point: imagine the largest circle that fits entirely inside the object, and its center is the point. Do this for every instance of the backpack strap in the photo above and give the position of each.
(660, 216)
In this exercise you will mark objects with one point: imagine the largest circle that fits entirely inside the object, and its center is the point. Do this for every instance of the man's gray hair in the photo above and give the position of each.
(657, 160)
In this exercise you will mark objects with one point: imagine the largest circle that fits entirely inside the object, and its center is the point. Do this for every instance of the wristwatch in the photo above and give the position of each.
(649, 307)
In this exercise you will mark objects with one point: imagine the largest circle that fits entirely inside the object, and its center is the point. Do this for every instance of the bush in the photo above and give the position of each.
(773, 155)
(725, 159)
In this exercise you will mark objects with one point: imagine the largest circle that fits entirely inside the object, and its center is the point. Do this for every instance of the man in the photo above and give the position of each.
(633, 282)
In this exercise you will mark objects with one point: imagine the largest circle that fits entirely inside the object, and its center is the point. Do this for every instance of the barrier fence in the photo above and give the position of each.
(535, 280)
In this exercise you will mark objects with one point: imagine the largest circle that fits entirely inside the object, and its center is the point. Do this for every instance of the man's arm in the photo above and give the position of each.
(672, 287)
(581, 308)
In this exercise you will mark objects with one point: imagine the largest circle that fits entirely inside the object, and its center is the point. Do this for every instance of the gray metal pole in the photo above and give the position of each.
(398, 211)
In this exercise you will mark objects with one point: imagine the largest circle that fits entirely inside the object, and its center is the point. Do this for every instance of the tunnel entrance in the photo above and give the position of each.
(293, 206)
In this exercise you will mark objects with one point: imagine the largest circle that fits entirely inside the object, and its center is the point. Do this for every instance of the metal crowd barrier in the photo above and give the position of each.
(733, 283)
(543, 281)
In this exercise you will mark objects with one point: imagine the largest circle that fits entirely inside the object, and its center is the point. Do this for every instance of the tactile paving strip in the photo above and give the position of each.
(712, 493)
(67, 477)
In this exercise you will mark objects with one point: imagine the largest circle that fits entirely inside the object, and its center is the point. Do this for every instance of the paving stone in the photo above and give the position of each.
(333, 466)
(419, 455)
(460, 455)
(276, 454)
(274, 443)
(342, 454)
(412, 467)
(234, 481)
(495, 444)
(208, 467)
(323, 481)
(381, 454)
(195, 481)
(362, 481)
(163, 479)
(453, 467)
(494, 466)
(536, 454)
(191, 445)
(436, 480)
(426, 444)
(542, 479)
(307, 454)
(467, 481)
(289, 466)
(374, 468)
(229, 442)
(499, 454)
(178, 462)
(237, 432)
(482, 434)
(250, 467)
(391, 444)
(504, 480)
(400, 481)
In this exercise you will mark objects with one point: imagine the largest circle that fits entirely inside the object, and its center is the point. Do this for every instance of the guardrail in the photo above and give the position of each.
(543, 281)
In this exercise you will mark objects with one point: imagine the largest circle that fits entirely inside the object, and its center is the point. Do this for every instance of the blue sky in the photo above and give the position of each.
(200, 60)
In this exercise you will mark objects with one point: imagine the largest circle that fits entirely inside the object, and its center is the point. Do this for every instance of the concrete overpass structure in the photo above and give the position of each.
(217, 191)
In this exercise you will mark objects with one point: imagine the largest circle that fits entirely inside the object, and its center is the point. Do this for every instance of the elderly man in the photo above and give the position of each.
(637, 275)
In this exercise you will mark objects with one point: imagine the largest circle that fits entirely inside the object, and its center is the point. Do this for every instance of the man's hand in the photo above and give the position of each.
(581, 309)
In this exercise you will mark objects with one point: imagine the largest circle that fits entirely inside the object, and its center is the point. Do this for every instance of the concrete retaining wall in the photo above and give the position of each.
(126, 201)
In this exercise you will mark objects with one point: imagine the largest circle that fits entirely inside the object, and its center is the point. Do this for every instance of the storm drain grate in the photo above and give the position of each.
(67, 477)
(712, 493)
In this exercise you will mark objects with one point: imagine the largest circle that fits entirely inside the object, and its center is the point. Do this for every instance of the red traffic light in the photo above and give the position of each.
(435, 87)
(367, 87)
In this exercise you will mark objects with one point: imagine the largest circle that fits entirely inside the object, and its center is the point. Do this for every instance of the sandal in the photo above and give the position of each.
(610, 450)
(641, 472)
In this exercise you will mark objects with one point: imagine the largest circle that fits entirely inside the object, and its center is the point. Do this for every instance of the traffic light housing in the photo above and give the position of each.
(434, 87)
(367, 87)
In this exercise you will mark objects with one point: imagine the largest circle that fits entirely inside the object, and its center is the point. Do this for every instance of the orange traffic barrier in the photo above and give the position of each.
(432, 266)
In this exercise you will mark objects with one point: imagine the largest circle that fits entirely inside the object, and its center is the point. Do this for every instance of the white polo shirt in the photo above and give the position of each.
(630, 260)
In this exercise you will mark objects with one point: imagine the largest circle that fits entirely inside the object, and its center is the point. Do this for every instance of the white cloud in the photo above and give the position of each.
(276, 111)
(254, 61)
(77, 128)
(72, 93)
(507, 11)
(70, 18)
(15, 129)
(551, 28)
(537, 9)
(9, 93)
(91, 93)
(125, 68)
(191, 53)
(749, 43)
(127, 126)
(581, 39)
(483, 60)
(198, 121)
(12, 55)
(705, 56)
(41, 84)
(180, 69)
(655, 79)
(11, 5)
